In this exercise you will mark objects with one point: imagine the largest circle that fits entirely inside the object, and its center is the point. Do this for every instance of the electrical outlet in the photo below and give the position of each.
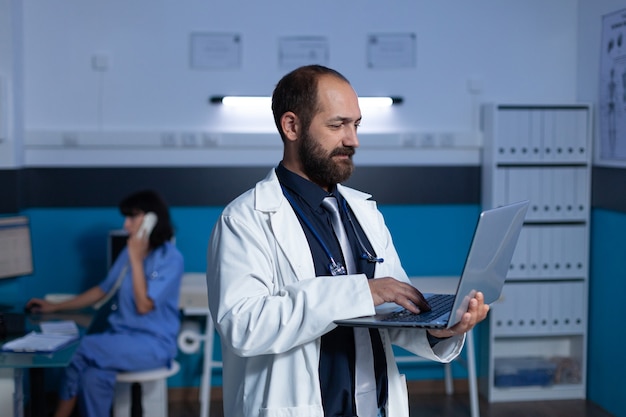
(474, 85)
(100, 62)
(168, 140)
(69, 139)
(210, 140)
(410, 140)
(188, 140)
(447, 140)
(428, 140)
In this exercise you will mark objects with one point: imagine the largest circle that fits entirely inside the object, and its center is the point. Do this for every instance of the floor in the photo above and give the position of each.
(435, 405)
(457, 405)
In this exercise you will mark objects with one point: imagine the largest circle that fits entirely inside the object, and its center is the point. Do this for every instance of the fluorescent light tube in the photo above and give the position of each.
(260, 101)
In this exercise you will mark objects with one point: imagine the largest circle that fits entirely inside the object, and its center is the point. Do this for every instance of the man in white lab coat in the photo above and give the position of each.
(277, 276)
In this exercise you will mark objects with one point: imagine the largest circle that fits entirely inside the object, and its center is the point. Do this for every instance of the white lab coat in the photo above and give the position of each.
(270, 310)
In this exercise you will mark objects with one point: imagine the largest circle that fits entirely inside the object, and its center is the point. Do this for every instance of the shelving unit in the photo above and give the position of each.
(537, 332)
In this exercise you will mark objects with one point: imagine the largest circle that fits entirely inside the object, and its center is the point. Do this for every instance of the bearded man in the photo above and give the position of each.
(278, 276)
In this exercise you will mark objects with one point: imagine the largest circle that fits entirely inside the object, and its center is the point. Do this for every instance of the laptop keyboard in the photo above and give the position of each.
(440, 304)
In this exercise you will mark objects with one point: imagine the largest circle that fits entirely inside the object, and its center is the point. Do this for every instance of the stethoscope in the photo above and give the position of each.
(365, 253)
(335, 268)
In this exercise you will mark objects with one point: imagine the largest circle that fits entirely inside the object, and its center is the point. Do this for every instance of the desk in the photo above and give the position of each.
(194, 302)
(36, 363)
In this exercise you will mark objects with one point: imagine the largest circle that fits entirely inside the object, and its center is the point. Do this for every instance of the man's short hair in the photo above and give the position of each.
(297, 92)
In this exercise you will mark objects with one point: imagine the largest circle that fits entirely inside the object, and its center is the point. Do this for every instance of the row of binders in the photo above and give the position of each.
(550, 251)
(555, 193)
(554, 308)
(552, 135)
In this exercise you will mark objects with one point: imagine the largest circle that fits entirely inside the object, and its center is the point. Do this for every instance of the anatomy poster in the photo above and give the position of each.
(612, 104)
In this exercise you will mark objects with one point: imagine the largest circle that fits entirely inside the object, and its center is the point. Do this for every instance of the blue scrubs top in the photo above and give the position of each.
(163, 268)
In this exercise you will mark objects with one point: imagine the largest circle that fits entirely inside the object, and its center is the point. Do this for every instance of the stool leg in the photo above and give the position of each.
(136, 409)
(447, 369)
(471, 369)
(207, 367)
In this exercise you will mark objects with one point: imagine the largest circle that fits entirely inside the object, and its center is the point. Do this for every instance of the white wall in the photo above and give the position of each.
(517, 52)
(10, 85)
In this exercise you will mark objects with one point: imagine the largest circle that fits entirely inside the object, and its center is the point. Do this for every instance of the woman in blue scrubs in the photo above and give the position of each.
(144, 317)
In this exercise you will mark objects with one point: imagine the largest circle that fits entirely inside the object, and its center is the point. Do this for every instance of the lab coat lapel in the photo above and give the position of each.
(286, 228)
(292, 241)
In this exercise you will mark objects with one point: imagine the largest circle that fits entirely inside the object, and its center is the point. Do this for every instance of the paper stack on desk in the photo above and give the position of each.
(54, 335)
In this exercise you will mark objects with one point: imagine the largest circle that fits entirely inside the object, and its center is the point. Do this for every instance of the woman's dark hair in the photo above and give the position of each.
(297, 92)
(146, 201)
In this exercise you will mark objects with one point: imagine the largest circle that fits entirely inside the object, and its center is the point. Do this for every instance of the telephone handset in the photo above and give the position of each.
(147, 224)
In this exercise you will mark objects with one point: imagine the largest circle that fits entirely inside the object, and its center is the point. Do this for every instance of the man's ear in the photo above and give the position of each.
(290, 125)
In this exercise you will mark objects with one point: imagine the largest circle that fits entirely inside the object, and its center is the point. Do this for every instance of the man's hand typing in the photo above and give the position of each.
(390, 290)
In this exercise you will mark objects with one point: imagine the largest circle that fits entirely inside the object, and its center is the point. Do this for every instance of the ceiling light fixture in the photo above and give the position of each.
(258, 101)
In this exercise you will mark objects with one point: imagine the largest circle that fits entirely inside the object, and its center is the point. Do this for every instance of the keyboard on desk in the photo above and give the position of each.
(440, 304)
(12, 324)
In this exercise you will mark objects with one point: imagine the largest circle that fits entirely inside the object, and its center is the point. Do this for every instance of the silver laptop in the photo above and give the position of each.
(486, 266)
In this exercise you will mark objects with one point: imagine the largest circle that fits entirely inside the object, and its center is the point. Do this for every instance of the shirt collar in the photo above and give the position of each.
(311, 193)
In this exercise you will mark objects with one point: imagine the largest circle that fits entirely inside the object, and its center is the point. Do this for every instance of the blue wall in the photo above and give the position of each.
(607, 311)
(69, 247)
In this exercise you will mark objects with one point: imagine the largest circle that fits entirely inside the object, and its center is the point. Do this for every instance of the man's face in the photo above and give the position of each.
(327, 146)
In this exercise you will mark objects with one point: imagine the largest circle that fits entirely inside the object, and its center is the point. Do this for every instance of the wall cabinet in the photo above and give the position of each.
(535, 346)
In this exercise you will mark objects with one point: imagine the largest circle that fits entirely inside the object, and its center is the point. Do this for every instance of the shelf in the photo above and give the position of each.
(539, 280)
(542, 336)
(538, 393)
(539, 164)
(540, 153)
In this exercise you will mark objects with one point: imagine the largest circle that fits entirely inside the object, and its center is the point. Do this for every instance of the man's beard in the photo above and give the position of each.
(320, 166)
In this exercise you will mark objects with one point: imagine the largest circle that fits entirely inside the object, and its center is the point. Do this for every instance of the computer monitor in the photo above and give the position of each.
(116, 243)
(16, 252)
